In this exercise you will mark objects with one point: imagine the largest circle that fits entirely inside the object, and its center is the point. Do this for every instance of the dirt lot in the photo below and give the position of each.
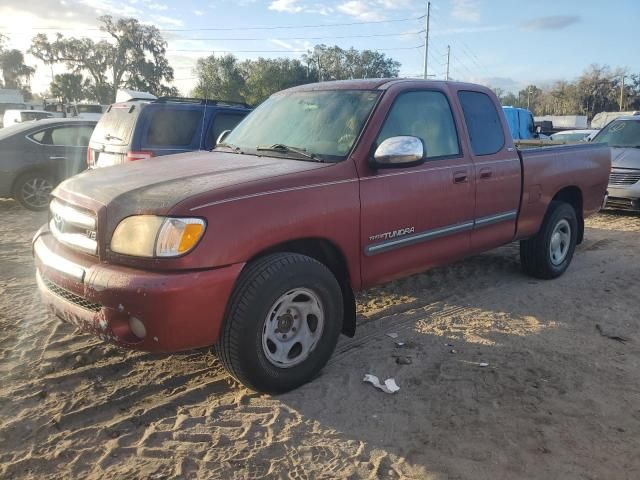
(557, 399)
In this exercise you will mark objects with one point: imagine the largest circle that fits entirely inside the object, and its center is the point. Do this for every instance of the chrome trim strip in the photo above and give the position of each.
(499, 161)
(72, 216)
(74, 240)
(417, 238)
(58, 263)
(271, 192)
(428, 235)
(491, 219)
(407, 172)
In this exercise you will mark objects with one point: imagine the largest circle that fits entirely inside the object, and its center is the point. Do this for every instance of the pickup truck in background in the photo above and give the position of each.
(258, 247)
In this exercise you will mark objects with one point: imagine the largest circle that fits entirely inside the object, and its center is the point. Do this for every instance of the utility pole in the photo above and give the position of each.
(448, 57)
(528, 97)
(622, 94)
(426, 41)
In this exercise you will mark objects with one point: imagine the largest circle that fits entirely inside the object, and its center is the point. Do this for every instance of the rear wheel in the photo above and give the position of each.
(283, 322)
(32, 190)
(549, 253)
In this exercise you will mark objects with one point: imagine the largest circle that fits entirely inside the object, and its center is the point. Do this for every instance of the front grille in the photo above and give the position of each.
(73, 226)
(70, 296)
(624, 178)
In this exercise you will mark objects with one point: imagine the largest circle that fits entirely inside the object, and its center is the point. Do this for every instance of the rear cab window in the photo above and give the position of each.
(483, 122)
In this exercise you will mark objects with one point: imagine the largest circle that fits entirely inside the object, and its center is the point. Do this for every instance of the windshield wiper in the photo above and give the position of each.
(235, 148)
(280, 147)
(108, 136)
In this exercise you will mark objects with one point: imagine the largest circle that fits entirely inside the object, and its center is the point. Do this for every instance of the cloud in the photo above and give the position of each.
(289, 6)
(156, 6)
(198, 13)
(362, 10)
(554, 22)
(466, 10)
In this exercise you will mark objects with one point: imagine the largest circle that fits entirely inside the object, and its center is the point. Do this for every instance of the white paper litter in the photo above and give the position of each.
(483, 364)
(392, 335)
(389, 385)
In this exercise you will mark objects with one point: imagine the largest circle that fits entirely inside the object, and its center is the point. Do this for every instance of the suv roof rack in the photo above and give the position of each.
(201, 101)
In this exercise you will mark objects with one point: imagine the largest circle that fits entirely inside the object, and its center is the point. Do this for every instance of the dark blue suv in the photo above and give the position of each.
(139, 129)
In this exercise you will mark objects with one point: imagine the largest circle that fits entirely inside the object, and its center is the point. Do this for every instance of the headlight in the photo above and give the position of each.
(153, 236)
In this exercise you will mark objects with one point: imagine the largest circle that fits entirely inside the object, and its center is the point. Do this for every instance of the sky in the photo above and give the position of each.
(502, 43)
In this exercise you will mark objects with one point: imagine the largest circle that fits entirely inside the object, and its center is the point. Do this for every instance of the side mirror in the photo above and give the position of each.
(222, 136)
(539, 129)
(399, 152)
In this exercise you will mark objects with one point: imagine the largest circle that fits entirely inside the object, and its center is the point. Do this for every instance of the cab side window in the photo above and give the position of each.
(483, 122)
(221, 122)
(426, 115)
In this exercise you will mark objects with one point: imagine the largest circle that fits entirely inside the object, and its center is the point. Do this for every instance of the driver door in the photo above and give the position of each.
(413, 218)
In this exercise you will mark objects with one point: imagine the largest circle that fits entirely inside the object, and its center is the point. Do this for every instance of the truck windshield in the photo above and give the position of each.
(324, 124)
(620, 134)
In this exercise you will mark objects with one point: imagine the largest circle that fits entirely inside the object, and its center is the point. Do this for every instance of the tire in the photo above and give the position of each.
(544, 256)
(278, 295)
(32, 190)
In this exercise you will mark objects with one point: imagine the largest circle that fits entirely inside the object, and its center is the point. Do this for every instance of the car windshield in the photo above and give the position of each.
(324, 124)
(620, 134)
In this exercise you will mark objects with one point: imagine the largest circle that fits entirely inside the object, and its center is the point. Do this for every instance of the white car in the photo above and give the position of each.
(574, 135)
(11, 117)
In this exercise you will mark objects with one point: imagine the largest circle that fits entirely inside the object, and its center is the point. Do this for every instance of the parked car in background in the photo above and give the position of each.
(623, 136)
(141, 128)
(12, 117)
(36, 156)
(602, 119)
(10, 99)
(87, 111)
(323, 190)
(573, 135)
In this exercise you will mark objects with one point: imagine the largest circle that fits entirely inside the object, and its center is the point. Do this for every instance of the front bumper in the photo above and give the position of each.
(627, 197)
(179, 310)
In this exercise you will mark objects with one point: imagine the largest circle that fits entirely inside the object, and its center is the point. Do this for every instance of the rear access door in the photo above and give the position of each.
(498, 171)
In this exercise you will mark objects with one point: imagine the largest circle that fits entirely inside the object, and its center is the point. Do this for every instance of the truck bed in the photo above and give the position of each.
(550, 169)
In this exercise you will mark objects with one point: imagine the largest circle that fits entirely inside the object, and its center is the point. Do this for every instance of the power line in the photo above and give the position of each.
(280, 51)
(275, 27)
(242, 39)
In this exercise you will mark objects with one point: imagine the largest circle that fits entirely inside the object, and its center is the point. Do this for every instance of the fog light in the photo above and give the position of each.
(137, 327)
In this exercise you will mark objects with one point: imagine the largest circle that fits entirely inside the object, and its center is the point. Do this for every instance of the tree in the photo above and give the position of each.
(15, 74)
(220, 78)
(135, 57)
(264, 77)
(334, 63)
(70, 87)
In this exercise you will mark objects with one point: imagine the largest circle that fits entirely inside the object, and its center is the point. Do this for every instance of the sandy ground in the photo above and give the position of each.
(557, 399)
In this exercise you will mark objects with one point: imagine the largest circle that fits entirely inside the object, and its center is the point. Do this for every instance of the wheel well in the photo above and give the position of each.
(32, 169)
(573, 196)
(330, 255)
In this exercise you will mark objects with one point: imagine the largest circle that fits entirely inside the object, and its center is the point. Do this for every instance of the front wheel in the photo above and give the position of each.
(283, 322)
(548, 254)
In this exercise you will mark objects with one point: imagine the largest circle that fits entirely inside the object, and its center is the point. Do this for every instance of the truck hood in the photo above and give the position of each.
(158, 184)
(625, 158)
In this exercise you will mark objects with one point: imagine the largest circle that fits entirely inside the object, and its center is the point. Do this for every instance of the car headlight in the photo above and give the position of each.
(153, 236)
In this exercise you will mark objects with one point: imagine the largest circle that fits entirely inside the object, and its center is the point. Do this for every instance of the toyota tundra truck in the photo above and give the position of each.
(257, 247)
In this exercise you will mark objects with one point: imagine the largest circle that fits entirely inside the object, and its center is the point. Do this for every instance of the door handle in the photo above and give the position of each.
(460, 177)
(57, 158)
(486, 173)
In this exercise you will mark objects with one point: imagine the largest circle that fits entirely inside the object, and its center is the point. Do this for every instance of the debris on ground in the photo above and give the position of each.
(400, 344)
(483, 364)
(611, 336)
(389, 385)
(403, 359)
(392, 335)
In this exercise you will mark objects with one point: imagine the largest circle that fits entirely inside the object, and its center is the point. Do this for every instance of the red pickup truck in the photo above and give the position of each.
(323, 190)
